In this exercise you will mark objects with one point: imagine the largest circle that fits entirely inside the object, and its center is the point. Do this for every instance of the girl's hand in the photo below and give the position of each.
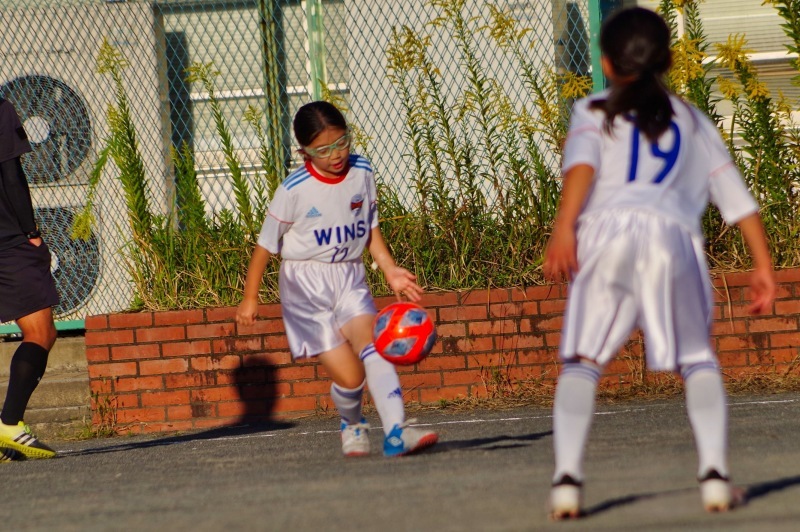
(403, 282)
(247, 312)
(762, 290)
(561, 256)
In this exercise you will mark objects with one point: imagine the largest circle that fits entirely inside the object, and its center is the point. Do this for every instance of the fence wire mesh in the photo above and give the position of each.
(271, 55)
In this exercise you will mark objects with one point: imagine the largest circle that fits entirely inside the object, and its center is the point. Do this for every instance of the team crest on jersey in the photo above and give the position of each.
(356, 203)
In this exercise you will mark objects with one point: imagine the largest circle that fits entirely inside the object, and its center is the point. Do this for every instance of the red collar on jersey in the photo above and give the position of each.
(320, 177)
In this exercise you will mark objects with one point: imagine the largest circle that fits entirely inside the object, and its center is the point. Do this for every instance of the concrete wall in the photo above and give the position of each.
(179, 370)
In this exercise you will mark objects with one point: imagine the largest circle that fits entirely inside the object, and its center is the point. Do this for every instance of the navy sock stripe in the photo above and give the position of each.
(689, 370)
(367, 352)
(589, 372)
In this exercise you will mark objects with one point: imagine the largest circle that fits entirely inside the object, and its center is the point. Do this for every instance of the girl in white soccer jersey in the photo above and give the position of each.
(320, 220)
(639, 167)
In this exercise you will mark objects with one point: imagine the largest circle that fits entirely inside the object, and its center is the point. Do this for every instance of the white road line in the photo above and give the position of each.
(156, 443)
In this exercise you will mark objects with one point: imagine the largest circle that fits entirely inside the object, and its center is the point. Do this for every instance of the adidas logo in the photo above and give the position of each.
(313, 213)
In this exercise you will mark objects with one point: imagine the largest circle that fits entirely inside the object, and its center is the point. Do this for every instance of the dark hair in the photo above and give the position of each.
(313, 118)
(636, 41)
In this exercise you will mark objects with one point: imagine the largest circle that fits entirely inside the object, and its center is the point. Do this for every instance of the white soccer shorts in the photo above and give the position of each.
(638, 269)
(317, 299)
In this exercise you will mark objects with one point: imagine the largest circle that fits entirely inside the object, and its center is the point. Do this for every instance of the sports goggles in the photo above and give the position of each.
(323, 152)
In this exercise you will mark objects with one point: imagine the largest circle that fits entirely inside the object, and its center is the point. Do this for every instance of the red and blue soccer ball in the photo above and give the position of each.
(403, 333)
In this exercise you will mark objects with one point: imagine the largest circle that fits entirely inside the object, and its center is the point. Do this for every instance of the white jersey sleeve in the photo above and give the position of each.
(584, 139)
(727, 189)
(278, 221)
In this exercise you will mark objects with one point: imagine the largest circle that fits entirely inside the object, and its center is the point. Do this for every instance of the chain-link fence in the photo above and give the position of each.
(273, 55)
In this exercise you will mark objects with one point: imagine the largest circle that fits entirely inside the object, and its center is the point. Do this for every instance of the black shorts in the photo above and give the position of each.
(26, 283)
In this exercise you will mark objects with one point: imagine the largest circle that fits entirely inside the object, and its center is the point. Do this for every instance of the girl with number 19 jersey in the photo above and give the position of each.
(640, 241)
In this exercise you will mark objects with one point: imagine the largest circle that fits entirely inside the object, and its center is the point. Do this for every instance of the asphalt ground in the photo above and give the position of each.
(491, 471)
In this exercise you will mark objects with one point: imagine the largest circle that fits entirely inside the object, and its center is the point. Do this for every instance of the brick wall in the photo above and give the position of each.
(178, 370)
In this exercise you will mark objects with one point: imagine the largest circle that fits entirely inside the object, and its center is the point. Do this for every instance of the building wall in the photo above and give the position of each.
(195, 369)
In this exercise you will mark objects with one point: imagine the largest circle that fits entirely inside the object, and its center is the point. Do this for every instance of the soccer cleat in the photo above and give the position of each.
(20, 438)
(355, 440)
(9, 455)
(717, 493)
(403, 440)
(566, 499)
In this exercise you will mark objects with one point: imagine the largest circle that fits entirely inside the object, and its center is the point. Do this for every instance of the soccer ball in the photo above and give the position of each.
(403, 333)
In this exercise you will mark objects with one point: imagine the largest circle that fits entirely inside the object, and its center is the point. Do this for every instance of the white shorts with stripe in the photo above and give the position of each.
(638, 269)
(317, 299)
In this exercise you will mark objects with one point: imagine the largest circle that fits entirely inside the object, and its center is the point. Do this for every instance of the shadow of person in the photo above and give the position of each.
(493, 443)
(754, 491)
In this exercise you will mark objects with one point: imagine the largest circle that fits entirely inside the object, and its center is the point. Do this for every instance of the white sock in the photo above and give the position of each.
(384, 387)
(708, 415)
(572, 417)
(348, 402)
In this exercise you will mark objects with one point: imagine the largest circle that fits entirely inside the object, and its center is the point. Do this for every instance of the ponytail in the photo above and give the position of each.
(645, 101)
(636, 42)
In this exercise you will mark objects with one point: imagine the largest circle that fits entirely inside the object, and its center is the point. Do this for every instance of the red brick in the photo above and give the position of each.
(237, 345)
(266, 359)
(179, 412)
(478, 297)
(445, 362)
(434, 395)
(791, 339)
(213, 423)
(261, 327)
(316, 387)
(214, 395)
(135, 352)
(295, 404)
(504, 310)
(529, 340)
(539, 293)
(734, 343)
(440, 299)
(179, 317)
(161, 334)
(733, 279)
(537, 356)
(171, 398)
(220, 314)
(474, 344)
(117, 369)
(109, 338)
(93, 323)
(489, 360)
(139, 415)
(139, 383)
(215, 362)
(131, 320)
(553, 306)
(98, 354)
(160, 367)
(193, 348)
(101, 386)
(725, 327)
(451, 329)
(789, 275)
(294, 373)
(270, 311)
(197, 379)
(773, 324)
(470, 313)
(784, 355)
(234, 409)
(172, 426)
(791, 306)
(461, 377)
(214, 330)
(125, 400)
(410, 381)
(266, 391)
(550, 324)
(552, 340)
(276, 342)
(730, 359)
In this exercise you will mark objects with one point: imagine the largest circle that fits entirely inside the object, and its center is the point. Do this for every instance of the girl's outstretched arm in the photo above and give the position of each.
(247, 312)
(401, 281)
(561, 253)
(762, 280)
